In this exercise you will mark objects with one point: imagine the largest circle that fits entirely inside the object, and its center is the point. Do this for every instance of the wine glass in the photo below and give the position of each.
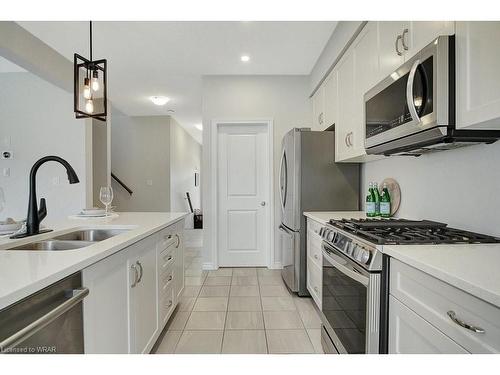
(106, 196)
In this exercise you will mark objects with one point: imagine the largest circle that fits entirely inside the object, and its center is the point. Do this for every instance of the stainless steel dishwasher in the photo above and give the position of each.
(49, 321)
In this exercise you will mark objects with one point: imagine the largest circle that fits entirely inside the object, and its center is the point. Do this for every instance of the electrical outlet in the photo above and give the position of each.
(6, 172)
(149, 182)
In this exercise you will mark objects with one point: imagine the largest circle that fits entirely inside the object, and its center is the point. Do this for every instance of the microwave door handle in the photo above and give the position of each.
(346, 271)
(409, 92)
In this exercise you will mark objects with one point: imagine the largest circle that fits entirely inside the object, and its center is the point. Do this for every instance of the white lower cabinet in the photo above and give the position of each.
(411, 334)
(143, 309)
(427, 315)
(133, 294)
(314, 261)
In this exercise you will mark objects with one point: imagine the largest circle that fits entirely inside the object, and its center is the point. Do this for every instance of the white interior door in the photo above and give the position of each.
(243, 195)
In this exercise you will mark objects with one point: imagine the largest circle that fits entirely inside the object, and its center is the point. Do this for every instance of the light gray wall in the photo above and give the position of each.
(38, 119)
(283, 99)
(99, 158)
(185, 158)
(140, 151)
(459, 187)
(342, 34)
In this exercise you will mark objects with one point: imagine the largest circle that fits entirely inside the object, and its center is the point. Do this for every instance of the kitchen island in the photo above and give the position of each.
(25, 272)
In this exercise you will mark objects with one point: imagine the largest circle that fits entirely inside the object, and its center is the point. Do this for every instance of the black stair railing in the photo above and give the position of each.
(113, 176)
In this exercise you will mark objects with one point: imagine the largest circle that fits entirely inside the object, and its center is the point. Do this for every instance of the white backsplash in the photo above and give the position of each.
(459, 187)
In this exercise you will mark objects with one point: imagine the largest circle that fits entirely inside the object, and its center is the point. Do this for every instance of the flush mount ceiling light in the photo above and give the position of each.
(245, 58)
(159, 100)
(90, 86)
(199, 126)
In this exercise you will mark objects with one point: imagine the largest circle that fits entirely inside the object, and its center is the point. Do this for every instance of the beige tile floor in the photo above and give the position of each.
(239, 310)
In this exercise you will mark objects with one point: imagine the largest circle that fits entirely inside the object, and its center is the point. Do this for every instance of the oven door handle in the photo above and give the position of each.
(409, 92)
(351, 273)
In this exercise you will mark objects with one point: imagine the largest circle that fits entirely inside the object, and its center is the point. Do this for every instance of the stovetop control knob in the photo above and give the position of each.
(330, 236)
(364, 256)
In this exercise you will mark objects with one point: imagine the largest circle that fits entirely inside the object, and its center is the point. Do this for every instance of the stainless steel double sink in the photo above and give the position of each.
(72, 240)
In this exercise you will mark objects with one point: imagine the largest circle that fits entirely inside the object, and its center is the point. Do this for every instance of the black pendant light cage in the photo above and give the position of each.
(90, 86)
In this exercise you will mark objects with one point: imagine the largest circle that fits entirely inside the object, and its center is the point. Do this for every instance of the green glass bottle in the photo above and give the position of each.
(385, 202)
(376, 192)
(370, 201)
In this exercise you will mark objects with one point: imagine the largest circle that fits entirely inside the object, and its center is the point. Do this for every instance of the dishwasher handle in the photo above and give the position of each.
(77, 296)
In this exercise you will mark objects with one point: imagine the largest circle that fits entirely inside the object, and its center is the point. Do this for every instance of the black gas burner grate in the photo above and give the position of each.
(401, 231)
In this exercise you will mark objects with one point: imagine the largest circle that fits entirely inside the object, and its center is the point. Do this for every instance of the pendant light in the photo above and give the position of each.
(90, 88)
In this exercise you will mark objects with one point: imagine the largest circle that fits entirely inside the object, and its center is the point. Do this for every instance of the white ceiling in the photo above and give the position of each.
(169, 58)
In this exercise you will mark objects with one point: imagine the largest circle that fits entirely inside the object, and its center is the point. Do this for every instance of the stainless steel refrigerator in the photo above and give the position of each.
(310, 180)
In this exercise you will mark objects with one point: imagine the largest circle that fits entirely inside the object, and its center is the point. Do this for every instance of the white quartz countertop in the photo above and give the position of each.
(472, 268)
(325, 216)
(25, 272)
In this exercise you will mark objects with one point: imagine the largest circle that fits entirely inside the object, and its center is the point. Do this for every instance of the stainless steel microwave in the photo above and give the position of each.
(412, 111)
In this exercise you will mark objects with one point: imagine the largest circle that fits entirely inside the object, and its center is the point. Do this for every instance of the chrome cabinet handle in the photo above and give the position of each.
(18, 337)
(167, 259)
(178, 241)
(320, 118)
(348, 139)
(461, 323)
(141, 271)
(397, 45)
(405, 46)
(136, 274)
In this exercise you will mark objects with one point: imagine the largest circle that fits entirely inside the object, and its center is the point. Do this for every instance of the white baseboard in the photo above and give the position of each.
(208, 267)
(276, 266)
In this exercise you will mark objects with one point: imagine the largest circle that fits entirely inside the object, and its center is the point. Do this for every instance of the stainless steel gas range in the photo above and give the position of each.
(355, 276)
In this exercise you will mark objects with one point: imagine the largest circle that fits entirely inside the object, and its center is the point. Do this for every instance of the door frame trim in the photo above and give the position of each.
(215, 125)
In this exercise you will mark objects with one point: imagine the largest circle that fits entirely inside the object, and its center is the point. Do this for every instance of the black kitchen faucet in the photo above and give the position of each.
(35, 215)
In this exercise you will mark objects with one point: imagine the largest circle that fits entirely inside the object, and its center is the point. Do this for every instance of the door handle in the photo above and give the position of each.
(263, 203)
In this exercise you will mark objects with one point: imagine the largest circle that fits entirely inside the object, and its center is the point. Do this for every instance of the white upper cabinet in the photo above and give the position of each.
(378, 50)
(401, 40)
(344, 129)
(318, 104)
(331, 99)
(421, 33)
(358, 71)
(391, 49)
(477, 75)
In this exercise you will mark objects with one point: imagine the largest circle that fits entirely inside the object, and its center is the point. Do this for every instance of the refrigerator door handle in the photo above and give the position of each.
(284, 229)
(283, 181)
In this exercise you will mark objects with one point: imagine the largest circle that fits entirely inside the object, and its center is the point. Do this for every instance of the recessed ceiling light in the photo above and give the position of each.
(245, 58)
(159, 100)
(199, 126)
